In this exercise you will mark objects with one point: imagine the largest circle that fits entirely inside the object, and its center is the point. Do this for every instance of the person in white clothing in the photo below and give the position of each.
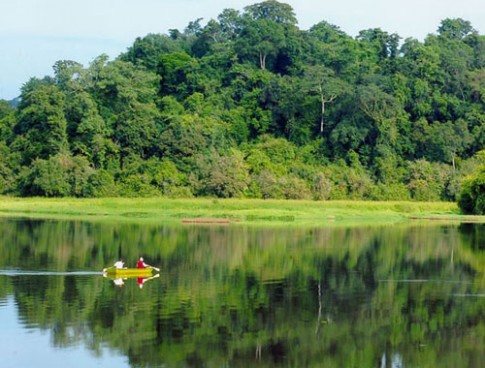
(119, 282)
(119, 264)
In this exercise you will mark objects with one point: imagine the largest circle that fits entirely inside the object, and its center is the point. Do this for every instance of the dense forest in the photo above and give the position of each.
(249, 105)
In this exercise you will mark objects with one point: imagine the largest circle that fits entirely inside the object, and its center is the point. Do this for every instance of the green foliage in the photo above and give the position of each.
(272, 10)
(101, 184)
(260, 41)
(7, 121)
(41, 121)
(455, 28)
(391, 192)
(467, 199)
(292, 187)
(147, 50)
(322, 187)
(59, 176)
(425, 182)
(316, 114)
(174, 69)
(7, 177)
(223, 176)
(471, 198)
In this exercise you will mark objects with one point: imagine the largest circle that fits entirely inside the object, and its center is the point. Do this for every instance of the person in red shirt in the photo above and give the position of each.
(140, 281)
(141, 264)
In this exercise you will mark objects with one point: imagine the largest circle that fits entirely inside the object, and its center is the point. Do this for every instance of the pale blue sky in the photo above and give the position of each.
(34, 34)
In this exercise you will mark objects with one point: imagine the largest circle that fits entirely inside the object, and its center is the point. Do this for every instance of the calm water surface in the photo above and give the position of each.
(410, 295)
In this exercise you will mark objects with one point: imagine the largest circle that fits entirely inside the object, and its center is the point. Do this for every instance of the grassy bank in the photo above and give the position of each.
(231, 210)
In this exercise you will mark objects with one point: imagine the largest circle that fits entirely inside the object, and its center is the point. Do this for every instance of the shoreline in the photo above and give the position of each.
(231, 211)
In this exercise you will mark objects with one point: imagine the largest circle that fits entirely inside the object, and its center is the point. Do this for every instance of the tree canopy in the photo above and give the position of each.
(192, 113)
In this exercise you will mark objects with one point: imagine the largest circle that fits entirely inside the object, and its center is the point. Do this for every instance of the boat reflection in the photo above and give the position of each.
(121, 281)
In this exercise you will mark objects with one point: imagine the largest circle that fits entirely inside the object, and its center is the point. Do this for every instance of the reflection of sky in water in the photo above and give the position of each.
(29, 348)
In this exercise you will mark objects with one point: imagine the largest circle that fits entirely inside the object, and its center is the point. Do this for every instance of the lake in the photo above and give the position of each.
(403, 295)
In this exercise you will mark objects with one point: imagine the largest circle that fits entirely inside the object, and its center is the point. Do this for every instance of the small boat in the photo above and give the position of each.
(128, 272)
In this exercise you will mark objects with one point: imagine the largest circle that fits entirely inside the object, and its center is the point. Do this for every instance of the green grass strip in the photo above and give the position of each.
(241, 211)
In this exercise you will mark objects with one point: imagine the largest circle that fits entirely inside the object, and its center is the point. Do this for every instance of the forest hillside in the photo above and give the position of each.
(249, 105)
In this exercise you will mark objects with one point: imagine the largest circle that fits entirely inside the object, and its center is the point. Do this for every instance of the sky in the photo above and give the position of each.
(34, 34)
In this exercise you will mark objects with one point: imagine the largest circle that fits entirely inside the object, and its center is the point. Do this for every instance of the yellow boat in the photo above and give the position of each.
(128, 272)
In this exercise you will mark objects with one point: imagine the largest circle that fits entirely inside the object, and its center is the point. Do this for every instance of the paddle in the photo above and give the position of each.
(153, 277)
(155, 268)
(109, 268)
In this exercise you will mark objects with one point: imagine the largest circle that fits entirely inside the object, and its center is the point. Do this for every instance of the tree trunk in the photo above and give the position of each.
(323, 101)
(323, 112)
(262, 60)
(319, 316)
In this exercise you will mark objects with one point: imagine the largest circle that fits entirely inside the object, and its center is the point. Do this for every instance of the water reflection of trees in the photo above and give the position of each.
(233, 295)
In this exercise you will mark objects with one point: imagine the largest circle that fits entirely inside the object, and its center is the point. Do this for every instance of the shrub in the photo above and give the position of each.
(267, 184)
(322, 187)
(59, 176)
(137, 186)
(223, 176)
(292, 187)
(101, 184)
(472, 196)
(48, 178)
(390, 192)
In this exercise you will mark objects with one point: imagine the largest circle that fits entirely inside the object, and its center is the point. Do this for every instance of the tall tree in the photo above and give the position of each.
(174, 69)
(265, 30)
(325, 44)
(87, 130)
(147, 50)
(41, 121)
(128, 95)
(384, 44)
(68, 75)
(455, 28)
(261, 39)
(230, 24)
(321, 80)
(272, 10)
